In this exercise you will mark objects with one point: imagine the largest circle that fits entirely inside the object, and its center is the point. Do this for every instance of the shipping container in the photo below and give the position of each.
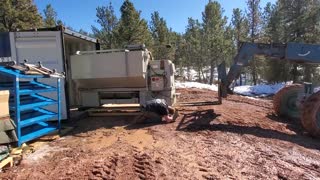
(53, 48)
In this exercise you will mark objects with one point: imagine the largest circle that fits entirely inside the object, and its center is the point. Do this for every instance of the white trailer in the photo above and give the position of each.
(51, 46)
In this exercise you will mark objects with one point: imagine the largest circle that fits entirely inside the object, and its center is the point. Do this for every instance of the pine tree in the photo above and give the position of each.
(108, 22)
(161, 37)
(180, 58)
(84, 32)
(229, 47)
(174, 41)
(132, 29)
(240, 29)
(240, 25)
(60, 23)
(19, 14)
(273, 32)
(254, 17)
(213, 28)
(50, 16)
(300, 20)
(193, 46)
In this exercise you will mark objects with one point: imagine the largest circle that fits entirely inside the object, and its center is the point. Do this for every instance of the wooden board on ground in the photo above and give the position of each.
(7, 161)
(50, 137)
(99, 114)
(113, 110)
(116, 110)
(55, 135)
(120, 105)
(198, 103)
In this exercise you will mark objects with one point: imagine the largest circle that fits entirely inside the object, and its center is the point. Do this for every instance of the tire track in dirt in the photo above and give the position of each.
(143, 166)
(105, 170)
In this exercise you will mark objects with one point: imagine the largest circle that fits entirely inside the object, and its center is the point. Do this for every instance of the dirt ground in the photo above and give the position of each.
(240, 139)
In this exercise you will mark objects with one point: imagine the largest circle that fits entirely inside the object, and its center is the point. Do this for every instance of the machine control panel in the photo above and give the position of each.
(157, 83)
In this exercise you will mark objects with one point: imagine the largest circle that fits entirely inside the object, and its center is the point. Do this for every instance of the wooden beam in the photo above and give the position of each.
(113, 109)
(121, 105)
(5, 162)
(99, 114)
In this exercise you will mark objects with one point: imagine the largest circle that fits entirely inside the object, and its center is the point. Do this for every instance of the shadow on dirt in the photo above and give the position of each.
(292, 124)
(143, 125)
(93, 123)
(90, 124)
(204, 120)
(197, 119)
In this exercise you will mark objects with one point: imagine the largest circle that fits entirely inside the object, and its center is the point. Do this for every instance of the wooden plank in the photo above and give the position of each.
(54, 135)
(113, 109)
(50, 137)
(116, 110)
(4, 105)
(16, 151)
(100, 114)
(121, 105)
(5, 162)
(198, 103)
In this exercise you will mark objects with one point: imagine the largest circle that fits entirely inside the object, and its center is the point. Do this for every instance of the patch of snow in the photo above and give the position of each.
(196, 85)
(193, 75)
(253, 98)
(190, 74)
(261, 90)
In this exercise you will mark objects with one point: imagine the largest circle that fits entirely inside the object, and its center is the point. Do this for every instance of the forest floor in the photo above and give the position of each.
(240, 139)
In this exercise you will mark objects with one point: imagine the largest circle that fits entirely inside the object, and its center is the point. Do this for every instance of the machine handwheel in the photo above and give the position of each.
(284, 102)
(311, 114)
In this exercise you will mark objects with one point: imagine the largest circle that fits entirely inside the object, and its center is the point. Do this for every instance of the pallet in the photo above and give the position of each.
(116, 110)
(7, 161)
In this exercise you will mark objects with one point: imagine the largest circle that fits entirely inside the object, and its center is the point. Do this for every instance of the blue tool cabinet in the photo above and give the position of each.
(28, 105)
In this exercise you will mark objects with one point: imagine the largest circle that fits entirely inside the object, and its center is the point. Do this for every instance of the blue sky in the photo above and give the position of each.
(82, 13)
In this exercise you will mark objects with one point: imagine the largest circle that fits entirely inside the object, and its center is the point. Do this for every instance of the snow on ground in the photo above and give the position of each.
(259, 90)
(196, 85)
(192, 75)
(263, 90)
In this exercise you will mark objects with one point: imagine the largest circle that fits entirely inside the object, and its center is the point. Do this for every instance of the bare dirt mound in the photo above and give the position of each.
(240, 139)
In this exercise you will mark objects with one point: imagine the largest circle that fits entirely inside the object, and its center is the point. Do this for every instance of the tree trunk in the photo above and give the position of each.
(211, 72)
(307, 73)
(203, 76)
(199, 75)
(188, 73)
(254, 72)
(295, 73)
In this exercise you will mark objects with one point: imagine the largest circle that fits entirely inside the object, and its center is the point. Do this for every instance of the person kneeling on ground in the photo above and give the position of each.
(156, 111)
